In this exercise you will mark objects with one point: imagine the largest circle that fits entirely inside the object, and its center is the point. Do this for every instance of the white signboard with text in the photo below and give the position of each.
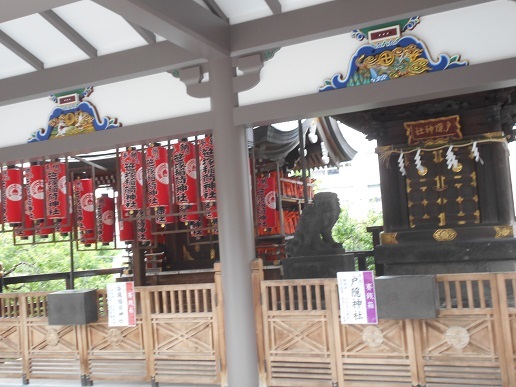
(357, 297)
(121, 304)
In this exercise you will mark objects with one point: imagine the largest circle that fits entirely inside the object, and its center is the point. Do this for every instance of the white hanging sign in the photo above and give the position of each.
(357, 297)
(121, 304)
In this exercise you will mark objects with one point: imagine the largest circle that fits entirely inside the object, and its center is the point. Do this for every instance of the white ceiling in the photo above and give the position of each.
(103, 29)
(50, 46)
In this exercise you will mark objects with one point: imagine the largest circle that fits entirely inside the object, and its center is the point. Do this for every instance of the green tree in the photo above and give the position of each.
(353, 234)
(44, 258)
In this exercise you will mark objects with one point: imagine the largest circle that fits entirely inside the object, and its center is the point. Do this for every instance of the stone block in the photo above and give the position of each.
(72, 307)
(407, 297)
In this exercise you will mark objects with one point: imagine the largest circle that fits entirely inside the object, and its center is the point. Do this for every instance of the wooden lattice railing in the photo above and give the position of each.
(471, 343)
(179, 337)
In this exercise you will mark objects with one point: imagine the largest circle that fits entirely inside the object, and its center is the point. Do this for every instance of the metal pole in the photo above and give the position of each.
(71, 280)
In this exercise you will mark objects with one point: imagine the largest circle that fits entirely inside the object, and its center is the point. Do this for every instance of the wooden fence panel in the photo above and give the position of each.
(464, 345)
(184, 327)
(507, 289)
(377, 355)
(471, 343)
(51, 352)
(112, 349)
(10, 337)
(299, 348)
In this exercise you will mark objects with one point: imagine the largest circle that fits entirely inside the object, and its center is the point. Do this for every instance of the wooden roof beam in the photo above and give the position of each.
(137, 62)
(329, 19)
(15, 9)
(63, 27)
(182, 22)
(21, 51)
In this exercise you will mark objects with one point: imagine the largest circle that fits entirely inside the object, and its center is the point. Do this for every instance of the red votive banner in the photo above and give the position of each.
(2, 197)
(88, 237)
(207, 167)
(266, 187)
(143, 229)
(185, 177)
(13, 196)
(27, 229)
(44, 229)
(85, 204)
(126, 231)
(56, 190)
(162, 217)
(157, 172)
(65, 226)
(131, 181)
(36, 192)
(105, 219)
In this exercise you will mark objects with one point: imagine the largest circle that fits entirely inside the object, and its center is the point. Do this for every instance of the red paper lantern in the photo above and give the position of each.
(88, 237)
(44, 229)
(65, 226)
(13, 196)
(185, 175)
(163, 216)
(105, 219)
(157, 173)
(36, 192)
(2, 197)
(207, 166)
(56, 190)
(131, 181)
(85, 204)
(126, 231)
(27, 229)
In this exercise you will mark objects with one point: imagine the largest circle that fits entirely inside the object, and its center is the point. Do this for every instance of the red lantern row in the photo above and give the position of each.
(53, 188)
(168, 187)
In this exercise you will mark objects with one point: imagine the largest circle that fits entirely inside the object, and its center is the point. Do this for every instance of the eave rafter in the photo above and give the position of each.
(19, 50)
(63, 27)
(329, 19)
(140, 61)
(182, 22)
(15, 9)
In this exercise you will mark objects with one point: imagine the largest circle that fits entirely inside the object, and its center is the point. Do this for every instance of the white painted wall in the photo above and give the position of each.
(479, 34)
(138, 100)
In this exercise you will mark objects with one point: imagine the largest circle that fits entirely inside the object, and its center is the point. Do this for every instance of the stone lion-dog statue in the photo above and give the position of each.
(313, 231)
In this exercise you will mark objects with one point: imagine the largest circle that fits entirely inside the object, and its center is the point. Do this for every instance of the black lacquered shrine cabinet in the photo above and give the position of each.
(446, 185)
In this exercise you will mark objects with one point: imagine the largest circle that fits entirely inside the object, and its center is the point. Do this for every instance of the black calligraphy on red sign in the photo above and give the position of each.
(56, 189)
(157, 173)
(131, 180)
